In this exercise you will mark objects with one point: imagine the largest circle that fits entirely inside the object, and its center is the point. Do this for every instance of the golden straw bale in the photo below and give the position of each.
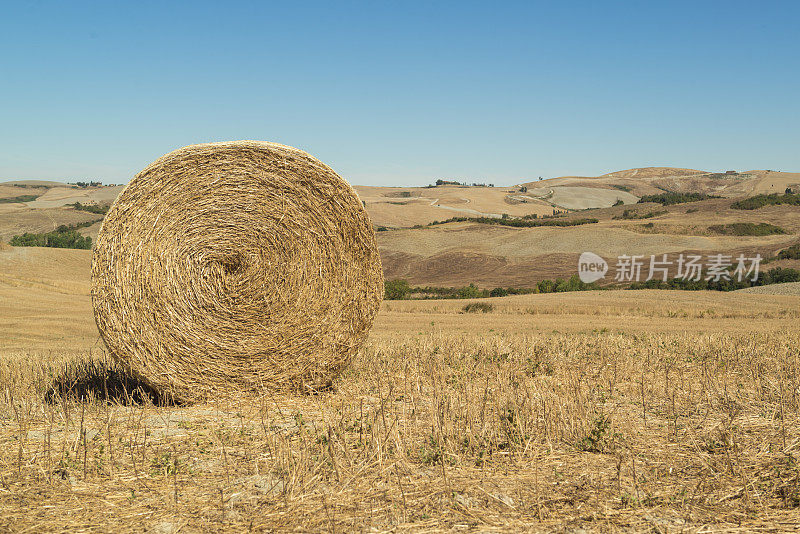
(235, 266)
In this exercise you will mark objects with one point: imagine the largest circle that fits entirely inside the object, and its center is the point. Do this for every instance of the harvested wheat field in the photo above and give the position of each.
(602, 411)
(789, 288)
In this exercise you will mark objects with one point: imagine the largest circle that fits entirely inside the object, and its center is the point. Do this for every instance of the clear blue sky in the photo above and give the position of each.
(395, 93)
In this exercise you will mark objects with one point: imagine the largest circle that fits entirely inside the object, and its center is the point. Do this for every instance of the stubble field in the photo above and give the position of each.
(599, 411)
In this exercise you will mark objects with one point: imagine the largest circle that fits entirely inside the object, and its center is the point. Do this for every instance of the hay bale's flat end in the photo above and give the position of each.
(230, 266)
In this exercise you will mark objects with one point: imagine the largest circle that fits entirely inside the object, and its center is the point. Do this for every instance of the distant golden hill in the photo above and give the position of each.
(653, 172)
(655, 180)
(460, 253)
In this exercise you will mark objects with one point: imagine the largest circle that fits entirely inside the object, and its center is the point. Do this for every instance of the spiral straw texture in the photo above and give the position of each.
(231, 266)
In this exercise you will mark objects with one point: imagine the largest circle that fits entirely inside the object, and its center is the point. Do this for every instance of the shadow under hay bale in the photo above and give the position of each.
(103, 381)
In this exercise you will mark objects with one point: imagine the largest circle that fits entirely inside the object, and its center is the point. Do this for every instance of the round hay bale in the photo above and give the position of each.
(238, 265)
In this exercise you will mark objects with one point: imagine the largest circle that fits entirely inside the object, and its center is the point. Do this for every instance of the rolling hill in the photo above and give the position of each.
(654, 180)
(459, 253)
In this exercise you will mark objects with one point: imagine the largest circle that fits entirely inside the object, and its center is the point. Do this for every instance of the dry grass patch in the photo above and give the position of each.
(446, 431)
(662, 411)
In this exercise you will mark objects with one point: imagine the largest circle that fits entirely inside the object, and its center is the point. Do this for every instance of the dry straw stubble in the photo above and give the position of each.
(234, 266)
